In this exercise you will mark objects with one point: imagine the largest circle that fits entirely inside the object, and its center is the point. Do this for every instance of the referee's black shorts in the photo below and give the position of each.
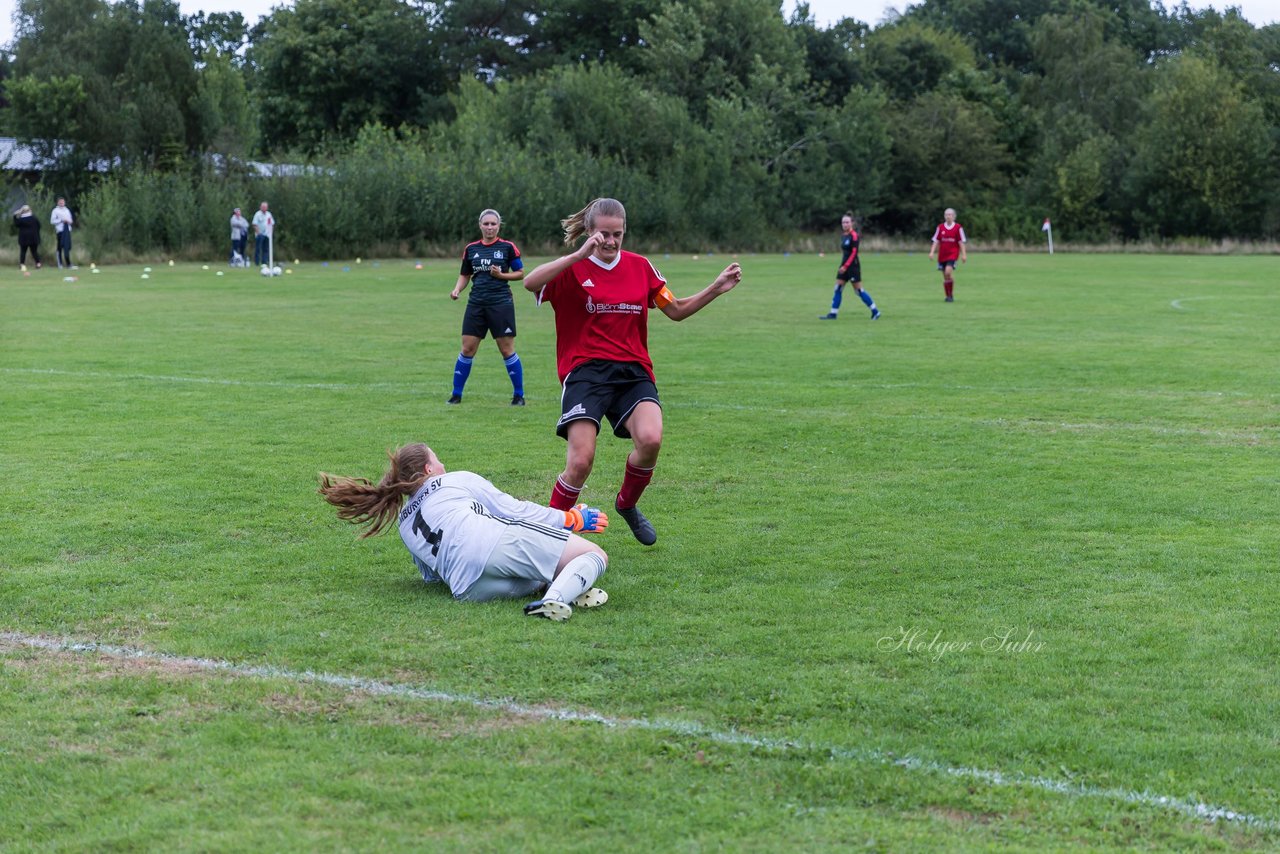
(601, 389)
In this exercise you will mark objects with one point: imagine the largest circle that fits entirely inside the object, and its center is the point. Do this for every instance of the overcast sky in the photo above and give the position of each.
(1257, 12)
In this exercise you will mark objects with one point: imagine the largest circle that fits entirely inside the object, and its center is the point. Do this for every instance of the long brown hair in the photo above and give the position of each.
(584, 221)
(376, 505)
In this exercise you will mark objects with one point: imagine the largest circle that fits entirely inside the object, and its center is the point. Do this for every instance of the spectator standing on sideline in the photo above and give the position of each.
(239, 236)
(489, 264)
(481, 542)
(28, 226)
(602, 296)
(264, 229)
(948, 245)
(849, 271)
(62, 220)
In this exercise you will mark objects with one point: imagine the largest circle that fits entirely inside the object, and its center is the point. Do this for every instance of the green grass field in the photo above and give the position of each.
(1080, 456)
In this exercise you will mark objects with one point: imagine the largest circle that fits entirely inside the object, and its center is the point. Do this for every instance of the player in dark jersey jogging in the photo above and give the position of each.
(602, 296)
(849, 272)
(489, 264)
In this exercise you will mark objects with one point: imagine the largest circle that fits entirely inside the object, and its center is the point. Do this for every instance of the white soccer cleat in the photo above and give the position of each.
(549, 608)
(593, 598)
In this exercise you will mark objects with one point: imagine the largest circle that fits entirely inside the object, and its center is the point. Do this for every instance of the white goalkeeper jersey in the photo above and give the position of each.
(452, 524)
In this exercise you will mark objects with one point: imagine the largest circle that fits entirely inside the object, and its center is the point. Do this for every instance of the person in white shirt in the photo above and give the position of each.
(264, 229)
(478, 540)
(61, 220)
(239, 236)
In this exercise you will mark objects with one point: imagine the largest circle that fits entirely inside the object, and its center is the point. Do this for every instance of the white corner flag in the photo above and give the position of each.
(1048, 229)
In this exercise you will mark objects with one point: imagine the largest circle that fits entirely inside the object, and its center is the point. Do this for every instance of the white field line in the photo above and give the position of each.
(754, 382)
(160, 378)
(1119, 426)
(1017, 423)
(1024, 423)
(1178, 303)
(1189, 807)
(1014, 423)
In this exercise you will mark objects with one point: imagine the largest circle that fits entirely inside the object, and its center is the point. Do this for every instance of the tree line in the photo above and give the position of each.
(719, 122)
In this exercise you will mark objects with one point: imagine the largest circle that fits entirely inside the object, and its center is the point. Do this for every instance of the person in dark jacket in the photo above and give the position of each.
(28, 226)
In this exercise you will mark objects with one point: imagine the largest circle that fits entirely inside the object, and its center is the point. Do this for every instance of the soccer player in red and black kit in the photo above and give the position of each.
(602, 296)
(490, 264)
(850, 272)
(948, 245)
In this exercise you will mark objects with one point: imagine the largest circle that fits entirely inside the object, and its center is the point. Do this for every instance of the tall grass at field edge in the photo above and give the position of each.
(806, 244)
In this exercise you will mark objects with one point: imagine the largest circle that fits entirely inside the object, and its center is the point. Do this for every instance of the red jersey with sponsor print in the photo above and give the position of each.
(948, 239)
(602, 312)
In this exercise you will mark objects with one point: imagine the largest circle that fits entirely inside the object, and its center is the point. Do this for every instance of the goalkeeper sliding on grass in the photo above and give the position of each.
(481, 542)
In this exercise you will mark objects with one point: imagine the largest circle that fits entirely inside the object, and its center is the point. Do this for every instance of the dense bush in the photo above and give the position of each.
(718, 122)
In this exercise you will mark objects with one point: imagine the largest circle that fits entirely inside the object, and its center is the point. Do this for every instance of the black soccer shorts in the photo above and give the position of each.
(498, 320)
(602, 389)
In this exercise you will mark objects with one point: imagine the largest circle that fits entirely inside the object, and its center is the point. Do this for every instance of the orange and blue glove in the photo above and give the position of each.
(585, 520)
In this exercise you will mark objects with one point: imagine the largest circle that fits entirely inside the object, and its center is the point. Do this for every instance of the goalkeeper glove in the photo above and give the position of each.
(585, 520)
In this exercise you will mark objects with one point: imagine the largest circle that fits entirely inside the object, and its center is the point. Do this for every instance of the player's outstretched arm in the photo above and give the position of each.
(679, 309)
(498, 503)
(544, 273)
(580, 519)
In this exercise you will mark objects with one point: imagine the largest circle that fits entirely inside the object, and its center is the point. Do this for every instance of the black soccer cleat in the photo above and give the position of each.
(517, 400)
(641, 527)
(454, 399)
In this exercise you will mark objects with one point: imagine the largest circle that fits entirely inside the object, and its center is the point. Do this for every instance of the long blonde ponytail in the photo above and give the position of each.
(376, 505)
(584, 221)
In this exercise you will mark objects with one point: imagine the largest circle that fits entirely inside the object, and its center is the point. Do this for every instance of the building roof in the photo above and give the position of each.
(17, 156)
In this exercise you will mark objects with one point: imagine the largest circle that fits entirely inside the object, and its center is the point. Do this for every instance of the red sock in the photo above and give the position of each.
(633, 484)
(564, 496)
(946, 285)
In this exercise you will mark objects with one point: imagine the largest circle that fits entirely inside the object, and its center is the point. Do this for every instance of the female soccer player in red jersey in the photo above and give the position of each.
(602, 296)
(948, 245)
